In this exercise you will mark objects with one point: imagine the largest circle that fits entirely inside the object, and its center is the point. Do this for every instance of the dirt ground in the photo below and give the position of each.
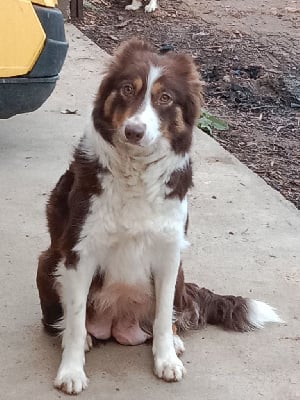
(249, 58)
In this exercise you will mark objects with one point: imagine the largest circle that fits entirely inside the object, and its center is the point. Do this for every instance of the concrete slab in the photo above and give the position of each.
(245, 239)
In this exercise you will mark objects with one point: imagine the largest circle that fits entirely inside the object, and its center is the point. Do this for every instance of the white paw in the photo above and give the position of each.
(88, 345)
(178, 344)
(150, 7)
(170, 369)
(131, 8)
(135, 5)
(71, 381)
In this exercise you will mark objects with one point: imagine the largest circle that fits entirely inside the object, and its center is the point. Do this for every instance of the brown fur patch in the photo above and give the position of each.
(174, 329)
(108, 104)
(138, 84)
(72, 259)
(49, 298)
(156, 89)
(86, 184)
(179, 122)
(67, 209)
(119, 117)
(177, 127)
(180, 182)
(186, 225)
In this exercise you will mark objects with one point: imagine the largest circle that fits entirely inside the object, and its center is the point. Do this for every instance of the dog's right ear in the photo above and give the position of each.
(185, 70)
(101, 115)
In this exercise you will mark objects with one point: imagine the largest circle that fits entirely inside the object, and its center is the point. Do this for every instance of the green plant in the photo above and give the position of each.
(208, 122)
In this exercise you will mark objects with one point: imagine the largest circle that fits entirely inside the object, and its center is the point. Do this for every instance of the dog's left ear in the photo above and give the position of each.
(98, 114)
(188, 71)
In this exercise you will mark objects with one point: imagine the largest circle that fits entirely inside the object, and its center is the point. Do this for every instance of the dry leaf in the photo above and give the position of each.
(67, 111)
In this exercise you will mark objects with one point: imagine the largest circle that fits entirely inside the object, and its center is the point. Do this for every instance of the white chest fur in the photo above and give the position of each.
(132, 216)
(131, 220)
(125, 225)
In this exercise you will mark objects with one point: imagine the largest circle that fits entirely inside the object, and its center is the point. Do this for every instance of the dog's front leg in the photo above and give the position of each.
(74, 287)
(166, 363)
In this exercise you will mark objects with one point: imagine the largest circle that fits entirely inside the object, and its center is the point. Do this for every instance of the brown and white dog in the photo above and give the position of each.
(118, 218)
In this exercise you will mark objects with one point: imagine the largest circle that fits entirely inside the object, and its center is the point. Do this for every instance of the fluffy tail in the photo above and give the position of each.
(197, 307)
(260, 313)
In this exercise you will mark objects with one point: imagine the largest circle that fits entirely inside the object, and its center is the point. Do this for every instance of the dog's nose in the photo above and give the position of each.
(134, 132)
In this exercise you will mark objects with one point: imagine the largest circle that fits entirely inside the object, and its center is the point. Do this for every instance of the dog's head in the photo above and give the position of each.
(145, 97)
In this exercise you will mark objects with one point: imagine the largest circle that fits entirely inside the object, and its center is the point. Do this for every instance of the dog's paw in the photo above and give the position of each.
(130, 7)
(170, 369)
(71, 381)
(150, 7)
(178, 344)
(88, 345)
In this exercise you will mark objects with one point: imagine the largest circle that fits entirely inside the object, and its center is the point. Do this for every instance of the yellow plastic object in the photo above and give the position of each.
(46, 3)
(22, 37)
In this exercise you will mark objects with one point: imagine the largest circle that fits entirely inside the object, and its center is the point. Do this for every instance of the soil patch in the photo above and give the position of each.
(252, 81)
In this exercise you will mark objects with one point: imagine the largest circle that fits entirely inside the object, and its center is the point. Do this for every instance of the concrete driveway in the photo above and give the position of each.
(245, 239)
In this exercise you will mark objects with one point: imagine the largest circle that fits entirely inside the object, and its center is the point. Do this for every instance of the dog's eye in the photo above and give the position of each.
(127, 89)
(165, 98)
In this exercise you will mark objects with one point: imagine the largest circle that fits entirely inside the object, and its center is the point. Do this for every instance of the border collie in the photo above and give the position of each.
(118, 218)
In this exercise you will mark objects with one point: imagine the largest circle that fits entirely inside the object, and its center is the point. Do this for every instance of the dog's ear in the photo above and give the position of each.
(187, 71)
(195, 87)
(100, 117)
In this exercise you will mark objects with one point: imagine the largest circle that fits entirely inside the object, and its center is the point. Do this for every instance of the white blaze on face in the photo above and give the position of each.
(146, 114)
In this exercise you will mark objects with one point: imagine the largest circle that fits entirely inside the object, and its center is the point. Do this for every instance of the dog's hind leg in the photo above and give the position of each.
(57, 216)
(49, 297)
